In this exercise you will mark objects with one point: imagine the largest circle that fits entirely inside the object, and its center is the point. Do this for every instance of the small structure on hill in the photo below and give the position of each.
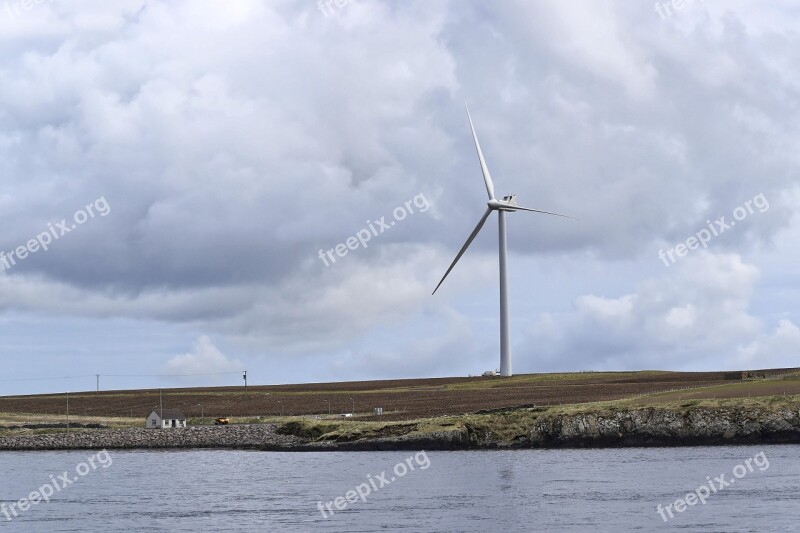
(166, 418)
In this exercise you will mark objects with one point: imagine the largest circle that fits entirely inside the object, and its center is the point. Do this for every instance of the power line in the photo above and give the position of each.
(167, 375)
(98, 376)
(45, 379)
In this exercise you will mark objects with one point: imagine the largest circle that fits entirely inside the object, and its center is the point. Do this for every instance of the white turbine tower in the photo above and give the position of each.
(507, 204)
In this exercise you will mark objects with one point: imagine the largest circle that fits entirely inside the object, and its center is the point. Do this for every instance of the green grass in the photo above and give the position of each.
(511, 425)
(492, 382)
(19, 419)
(506, 426)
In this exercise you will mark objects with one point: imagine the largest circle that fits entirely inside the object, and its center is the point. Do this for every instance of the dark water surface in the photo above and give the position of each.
(586, 490)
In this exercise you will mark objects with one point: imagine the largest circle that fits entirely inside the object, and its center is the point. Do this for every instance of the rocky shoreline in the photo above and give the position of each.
(666, 427)
(262, 436)
(616, 428)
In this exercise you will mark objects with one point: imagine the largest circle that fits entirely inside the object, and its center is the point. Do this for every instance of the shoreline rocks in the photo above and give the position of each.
(235, 436)
(643, 427)
(664, 427)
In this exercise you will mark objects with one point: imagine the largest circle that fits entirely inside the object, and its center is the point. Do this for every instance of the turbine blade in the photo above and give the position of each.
(487, 178)
(518, 208)
(466, 245)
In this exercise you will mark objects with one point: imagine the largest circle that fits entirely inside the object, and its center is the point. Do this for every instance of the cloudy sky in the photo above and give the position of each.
(185, 162)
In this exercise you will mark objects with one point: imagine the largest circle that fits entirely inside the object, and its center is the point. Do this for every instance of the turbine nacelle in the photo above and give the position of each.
(508, 203)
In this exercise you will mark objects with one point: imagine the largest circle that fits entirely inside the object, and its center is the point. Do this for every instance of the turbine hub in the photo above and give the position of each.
(508, 203)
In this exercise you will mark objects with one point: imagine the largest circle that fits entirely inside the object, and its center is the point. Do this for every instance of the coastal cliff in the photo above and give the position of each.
(617, 428)
(522, 428)
(665, 427)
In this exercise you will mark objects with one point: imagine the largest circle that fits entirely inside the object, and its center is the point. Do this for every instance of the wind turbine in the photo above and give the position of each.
(507, 205)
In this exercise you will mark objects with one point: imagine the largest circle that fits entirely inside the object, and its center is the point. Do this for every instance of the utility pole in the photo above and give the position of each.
(244, 376)
(161, 403)
(67, 411)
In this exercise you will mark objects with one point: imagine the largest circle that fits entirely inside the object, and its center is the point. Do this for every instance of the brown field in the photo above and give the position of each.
(416, 398)
(752, 389)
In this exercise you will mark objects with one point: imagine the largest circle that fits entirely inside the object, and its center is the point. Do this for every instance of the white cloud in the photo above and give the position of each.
(205, 358)
(694, 317)
(234, 140)
(779, 349)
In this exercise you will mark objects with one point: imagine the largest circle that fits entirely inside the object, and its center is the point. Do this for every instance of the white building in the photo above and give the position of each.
(172, 418)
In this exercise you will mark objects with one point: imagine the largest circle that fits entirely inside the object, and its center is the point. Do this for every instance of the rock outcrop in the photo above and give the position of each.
(612, 428)
(665, 427)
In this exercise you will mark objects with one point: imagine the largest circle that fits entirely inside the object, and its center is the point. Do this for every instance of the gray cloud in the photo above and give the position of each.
(235, 140)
